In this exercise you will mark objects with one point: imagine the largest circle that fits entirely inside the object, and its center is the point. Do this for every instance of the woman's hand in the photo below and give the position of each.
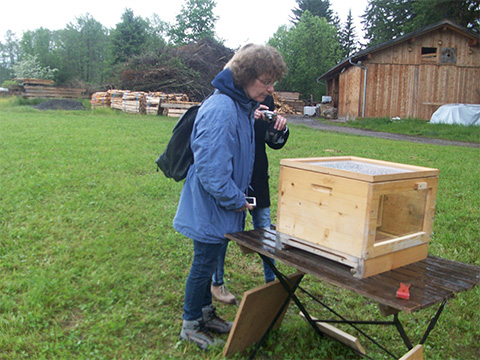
(247, 206)
(259, 112)
(280, 123)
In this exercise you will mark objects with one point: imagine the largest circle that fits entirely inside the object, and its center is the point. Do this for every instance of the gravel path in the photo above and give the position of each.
(315, 124)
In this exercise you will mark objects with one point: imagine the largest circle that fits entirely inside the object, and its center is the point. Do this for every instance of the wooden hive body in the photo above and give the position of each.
(371, 215)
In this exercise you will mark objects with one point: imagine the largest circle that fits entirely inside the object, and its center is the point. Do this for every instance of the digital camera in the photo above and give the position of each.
(269, 116)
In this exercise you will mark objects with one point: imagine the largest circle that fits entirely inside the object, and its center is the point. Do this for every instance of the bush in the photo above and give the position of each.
(10, 84)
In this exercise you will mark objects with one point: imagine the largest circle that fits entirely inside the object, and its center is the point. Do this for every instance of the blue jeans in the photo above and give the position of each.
(260, 219)
(197, 289)
(217, 278)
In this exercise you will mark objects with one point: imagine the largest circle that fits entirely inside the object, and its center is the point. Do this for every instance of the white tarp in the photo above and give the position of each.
(460, 114)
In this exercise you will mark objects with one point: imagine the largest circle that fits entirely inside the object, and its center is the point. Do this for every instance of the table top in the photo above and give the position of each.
(432, 280)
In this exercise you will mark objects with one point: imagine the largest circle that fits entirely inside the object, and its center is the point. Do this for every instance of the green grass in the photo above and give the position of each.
(91, 267)
(417, 127)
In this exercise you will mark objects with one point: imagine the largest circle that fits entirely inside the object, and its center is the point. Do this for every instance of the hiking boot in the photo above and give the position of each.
(222, 294)
(195, 331)
(213, 322)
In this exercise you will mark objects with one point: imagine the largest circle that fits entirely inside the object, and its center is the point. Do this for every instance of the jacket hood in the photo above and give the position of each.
(224, 82)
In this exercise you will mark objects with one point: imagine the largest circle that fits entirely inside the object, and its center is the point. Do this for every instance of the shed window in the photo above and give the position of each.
(429, 54)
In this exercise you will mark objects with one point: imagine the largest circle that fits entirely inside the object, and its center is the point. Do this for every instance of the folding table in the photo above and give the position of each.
(433, 281)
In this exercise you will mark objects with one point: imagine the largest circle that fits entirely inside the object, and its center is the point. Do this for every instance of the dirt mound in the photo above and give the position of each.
(60, 104)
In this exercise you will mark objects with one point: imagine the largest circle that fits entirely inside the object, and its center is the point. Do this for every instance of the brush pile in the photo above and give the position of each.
(188, 69)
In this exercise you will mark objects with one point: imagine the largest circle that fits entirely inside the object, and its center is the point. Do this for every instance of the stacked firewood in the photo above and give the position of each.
(284, 105)
(175, 108)
(152, 104)
(174, 104)
(160, 103)
(101, 99)
(116, 101)
(134, 102)
(32, 81)
(43, 88)
(137, 102)
(172, 97)
(38, 91)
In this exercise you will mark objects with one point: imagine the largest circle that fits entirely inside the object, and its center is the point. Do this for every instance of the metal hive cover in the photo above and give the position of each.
(361, 167)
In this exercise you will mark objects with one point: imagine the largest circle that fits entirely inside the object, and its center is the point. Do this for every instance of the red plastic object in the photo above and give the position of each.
(404, 291)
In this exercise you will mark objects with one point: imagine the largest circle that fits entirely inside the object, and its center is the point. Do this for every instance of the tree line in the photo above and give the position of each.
(149, 54)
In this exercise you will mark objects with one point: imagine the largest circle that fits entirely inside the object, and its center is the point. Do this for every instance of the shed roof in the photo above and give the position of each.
(363, 53)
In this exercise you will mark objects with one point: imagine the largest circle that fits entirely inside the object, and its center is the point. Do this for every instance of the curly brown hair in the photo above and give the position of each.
(252, 61)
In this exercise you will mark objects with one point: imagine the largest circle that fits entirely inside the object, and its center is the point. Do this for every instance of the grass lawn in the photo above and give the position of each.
(91, 267)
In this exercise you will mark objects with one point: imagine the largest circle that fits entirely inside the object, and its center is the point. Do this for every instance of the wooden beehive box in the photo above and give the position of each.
(371, 215)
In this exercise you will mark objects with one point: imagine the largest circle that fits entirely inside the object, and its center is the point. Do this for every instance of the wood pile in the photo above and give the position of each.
(175, 108)
(137, 102)
(288, 103)
(116, 101)
(43, 88)
(28, 81)
(101, 99)
(38, 91)
(134, 102)
(153, 104)
(171, 97)
(160, 103)
(175, 104)
(327, 111)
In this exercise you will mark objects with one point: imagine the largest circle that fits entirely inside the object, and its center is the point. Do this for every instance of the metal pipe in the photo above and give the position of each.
(364, 84)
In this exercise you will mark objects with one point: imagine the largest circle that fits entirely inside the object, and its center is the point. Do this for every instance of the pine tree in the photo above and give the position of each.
(320, 8)
(129, 37)
(194, 22)
(348, 37)
(387, 19)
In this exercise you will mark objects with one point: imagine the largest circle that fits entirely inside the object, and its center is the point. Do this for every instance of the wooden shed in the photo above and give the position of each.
(410, 76)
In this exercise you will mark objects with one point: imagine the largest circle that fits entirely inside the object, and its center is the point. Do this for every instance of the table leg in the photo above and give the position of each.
(432, 323)
(293, 287)
(402, 332)
(291, 291)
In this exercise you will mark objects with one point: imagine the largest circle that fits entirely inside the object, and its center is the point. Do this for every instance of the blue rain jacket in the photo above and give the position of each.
(223, 145)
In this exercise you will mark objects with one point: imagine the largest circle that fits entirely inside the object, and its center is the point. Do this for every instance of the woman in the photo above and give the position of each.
(274, 134)
(213, 201)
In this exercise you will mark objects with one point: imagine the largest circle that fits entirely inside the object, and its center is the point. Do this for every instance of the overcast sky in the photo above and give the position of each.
(239, 22)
